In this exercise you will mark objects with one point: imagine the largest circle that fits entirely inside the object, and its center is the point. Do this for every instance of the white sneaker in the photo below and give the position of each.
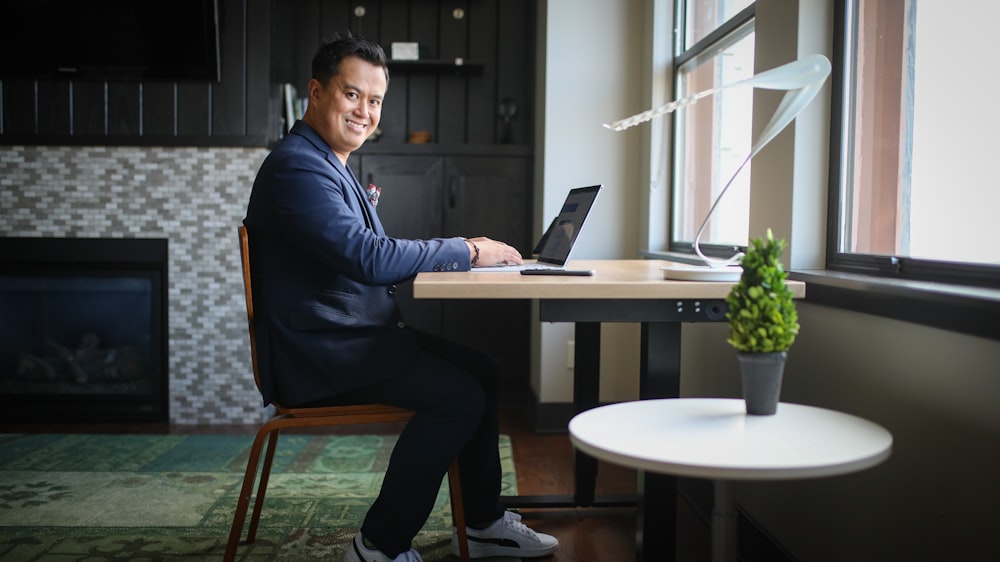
(358, 552)
(507, 536)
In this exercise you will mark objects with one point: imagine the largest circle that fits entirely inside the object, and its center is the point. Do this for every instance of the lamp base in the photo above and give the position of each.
(730, 273)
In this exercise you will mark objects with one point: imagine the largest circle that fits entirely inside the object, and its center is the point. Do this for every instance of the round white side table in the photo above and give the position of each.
(714, 438)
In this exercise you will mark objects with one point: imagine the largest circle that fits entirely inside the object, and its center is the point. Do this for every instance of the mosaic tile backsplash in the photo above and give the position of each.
(193, 197)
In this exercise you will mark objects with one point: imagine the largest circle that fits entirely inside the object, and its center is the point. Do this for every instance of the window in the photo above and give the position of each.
(714, 43)
(914, 193)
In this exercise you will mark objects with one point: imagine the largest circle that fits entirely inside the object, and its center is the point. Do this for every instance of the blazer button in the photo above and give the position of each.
(392, 289)
(400, 324)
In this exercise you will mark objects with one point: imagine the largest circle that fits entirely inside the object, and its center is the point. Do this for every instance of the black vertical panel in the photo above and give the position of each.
(260, 112)
(453, 40)
(282, 55)
(228, 111)
(88, 108)
(481, 112)
(395, 28)
(307, 37)
(514, 67)
(193, 108)
(158, 109)
(422, 107)
(53, 107)
(123, 108)
(19, 107)
(367, 25)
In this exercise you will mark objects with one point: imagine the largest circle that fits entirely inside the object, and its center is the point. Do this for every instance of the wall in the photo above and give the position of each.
(935, 391)
(194, 197)
(588, 74)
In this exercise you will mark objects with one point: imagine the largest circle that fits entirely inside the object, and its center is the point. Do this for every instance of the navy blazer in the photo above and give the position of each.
(324, 274)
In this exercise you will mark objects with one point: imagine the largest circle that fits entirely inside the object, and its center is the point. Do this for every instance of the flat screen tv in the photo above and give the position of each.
(110, 39)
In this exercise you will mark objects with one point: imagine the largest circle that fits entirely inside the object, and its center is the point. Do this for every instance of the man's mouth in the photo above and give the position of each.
(356, 125)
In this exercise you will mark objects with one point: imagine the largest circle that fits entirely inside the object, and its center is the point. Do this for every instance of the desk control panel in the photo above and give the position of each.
(633, 310)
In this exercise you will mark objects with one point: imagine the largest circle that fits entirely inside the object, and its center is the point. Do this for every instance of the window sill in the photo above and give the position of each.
(964, 309)
(969, 310)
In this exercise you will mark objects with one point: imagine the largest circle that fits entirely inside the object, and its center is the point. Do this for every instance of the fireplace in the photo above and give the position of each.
(83, 330)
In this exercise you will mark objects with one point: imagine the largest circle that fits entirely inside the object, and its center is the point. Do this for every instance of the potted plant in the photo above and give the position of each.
(763, 323)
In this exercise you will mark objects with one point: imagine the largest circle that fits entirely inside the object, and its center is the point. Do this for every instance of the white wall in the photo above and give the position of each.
(590, 57)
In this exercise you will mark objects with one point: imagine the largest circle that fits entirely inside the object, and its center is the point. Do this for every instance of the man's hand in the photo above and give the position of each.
(491, 252)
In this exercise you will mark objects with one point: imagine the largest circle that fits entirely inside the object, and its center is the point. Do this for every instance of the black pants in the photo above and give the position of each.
(454, 392)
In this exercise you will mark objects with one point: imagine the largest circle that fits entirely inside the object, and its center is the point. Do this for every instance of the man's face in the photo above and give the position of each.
(347, 109)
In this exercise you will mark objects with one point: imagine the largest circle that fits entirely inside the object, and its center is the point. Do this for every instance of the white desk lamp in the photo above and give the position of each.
(802, 79)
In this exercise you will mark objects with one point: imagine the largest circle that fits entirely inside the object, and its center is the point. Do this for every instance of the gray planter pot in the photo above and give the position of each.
(761, 375)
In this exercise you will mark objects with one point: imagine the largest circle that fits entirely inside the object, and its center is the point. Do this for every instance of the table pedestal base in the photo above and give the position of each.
(724, 530)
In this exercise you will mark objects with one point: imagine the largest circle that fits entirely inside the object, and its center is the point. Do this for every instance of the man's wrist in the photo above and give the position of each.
(473, 253)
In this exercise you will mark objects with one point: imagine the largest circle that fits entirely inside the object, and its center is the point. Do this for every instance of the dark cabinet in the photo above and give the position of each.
(429, 196)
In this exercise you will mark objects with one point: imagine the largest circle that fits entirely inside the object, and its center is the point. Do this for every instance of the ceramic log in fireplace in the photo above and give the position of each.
(83, 329)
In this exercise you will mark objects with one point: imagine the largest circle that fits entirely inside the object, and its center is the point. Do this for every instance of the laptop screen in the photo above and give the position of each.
(558, 241)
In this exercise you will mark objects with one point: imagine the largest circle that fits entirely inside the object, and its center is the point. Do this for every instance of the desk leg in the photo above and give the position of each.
(659, 377)
(586, 395)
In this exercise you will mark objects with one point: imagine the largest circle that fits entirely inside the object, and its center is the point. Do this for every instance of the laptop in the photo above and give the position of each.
(556, 244)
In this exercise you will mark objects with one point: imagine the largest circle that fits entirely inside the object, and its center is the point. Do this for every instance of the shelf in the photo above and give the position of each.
(434, 66)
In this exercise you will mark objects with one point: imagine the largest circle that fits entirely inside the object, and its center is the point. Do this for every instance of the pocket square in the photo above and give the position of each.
(373, 193)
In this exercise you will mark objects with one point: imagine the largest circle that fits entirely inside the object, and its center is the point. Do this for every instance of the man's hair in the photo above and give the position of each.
(326, 61)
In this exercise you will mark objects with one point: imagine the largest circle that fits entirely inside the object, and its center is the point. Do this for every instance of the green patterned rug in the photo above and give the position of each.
(172, 497)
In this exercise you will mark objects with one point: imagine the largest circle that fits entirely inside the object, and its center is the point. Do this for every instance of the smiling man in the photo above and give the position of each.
(329, 330)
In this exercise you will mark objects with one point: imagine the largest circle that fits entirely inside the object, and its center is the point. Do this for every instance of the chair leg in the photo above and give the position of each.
(265, 475)
(243, 503)
(458, 510)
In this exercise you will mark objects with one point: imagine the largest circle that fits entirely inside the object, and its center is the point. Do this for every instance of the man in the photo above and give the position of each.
(329, 329)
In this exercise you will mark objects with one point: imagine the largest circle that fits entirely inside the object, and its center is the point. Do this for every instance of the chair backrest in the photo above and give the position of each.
(248, 295)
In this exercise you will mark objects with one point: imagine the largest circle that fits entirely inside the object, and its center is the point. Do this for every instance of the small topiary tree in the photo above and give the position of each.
(762, 315)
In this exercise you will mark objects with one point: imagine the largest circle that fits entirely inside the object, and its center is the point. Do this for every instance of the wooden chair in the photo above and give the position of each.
(311, 417)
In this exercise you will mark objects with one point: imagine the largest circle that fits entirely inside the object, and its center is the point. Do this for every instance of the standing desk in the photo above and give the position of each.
(620, 291)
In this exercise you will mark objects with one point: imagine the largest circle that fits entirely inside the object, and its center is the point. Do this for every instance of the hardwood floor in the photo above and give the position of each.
(544, 466)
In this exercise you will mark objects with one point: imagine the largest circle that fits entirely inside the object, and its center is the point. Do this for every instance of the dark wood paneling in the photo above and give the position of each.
(89, 111)
(53, 107)
(193, 102)
(367, 25)
(266, 43)
(158, 109)
(395, 25)
(227, 99)
(239, 109)
(482, 108)
(260, 103)
(422, 101)
(19, 107)
(514, 63)
(123, 109)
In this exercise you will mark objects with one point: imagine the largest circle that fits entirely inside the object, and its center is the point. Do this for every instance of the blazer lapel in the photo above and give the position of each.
(371, 220)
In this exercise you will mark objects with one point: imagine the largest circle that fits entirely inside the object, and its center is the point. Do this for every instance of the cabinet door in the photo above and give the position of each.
(491, 196)
(410, 204)
(409, 207)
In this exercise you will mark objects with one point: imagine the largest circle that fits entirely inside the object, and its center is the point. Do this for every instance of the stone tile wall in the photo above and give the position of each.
(193, 197)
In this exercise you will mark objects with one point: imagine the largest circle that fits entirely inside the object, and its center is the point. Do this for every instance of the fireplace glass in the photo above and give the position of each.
(83, 339)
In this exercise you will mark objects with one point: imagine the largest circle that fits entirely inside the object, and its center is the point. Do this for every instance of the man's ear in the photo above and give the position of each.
(314, 88)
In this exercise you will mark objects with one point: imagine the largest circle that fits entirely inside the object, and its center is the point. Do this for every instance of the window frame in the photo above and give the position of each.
(877, 265)
(680, 58)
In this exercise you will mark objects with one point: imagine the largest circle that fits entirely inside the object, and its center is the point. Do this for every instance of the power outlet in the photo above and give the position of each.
(570, 354)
